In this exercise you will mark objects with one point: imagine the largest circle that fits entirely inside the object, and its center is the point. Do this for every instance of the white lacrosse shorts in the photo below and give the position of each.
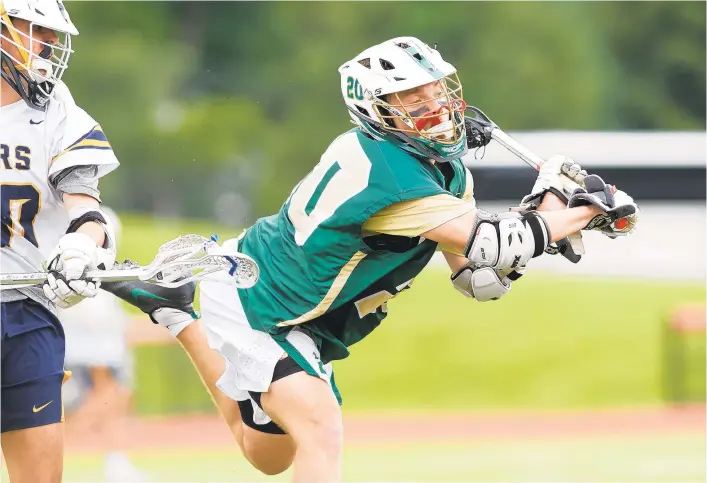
(250, 355)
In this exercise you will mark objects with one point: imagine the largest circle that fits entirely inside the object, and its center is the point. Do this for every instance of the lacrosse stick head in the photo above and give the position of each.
(192, 257)
(478, 127)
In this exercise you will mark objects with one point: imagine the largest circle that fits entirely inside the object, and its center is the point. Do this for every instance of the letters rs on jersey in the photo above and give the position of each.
(35, 147)
(328, 263)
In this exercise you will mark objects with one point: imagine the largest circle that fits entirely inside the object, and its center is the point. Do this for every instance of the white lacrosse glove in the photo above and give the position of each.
(68, 261)
(621, 212)
(552, 178)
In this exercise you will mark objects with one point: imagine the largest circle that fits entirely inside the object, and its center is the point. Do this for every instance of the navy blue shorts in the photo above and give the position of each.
(32, 365)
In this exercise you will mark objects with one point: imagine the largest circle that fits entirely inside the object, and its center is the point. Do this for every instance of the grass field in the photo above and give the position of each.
(661, 458)
(555, 343)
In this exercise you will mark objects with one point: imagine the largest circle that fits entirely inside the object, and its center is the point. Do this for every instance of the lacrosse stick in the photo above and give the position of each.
(487, 127)
(484, 126)
(481, 120)
(179, 261)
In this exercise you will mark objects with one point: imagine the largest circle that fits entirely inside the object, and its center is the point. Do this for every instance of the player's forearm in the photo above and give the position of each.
(455, 262)
(562, 223)
(453, 236)
(95, 231)
(91, 228)
(551, 203)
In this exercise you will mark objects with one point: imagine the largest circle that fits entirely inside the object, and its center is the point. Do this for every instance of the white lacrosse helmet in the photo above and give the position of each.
(33, 76)
(394, 66)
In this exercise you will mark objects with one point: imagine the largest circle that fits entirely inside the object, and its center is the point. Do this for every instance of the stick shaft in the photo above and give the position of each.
(19, 280)
(536, 162)
(529, 157)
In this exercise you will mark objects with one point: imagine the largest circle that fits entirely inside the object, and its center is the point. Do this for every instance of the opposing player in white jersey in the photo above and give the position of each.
(52, 155)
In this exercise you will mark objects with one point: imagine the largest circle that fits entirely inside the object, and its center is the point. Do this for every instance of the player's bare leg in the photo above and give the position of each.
(35, 455)
(269, 453)
(307, 409)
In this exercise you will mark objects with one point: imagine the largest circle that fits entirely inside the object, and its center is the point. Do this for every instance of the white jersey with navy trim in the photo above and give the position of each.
(35, 146)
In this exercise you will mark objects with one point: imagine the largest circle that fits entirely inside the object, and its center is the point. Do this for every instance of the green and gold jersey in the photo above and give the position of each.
(347, 240)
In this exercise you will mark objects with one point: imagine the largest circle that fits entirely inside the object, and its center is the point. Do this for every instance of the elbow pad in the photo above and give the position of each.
(498, 250)
(508, 242)
(482, 284)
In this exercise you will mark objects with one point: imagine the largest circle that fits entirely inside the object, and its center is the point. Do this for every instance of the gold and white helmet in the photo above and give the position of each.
(33, 76)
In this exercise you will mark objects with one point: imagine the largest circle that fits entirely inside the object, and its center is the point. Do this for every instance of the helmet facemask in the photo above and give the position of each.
(32, 76)
(440, 131)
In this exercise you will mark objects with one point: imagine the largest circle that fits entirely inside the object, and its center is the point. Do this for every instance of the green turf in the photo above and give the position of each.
(554, 342)
(641, 459)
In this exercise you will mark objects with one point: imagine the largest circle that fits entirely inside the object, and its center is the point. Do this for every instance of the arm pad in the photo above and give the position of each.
(498, 250)
(506, 242)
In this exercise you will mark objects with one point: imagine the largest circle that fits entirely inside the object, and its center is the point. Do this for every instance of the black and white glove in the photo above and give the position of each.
(620, 211)
(169, 307)
(68, 261)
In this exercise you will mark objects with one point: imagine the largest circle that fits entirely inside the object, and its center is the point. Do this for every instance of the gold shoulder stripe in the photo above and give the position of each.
(412, 218)
(331, 295)
(94, 139)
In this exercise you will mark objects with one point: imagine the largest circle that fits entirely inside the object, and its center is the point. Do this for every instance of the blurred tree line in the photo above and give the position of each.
(217, 109)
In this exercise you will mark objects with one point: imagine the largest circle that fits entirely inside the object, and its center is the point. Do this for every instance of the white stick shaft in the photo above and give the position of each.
(529, 157)
(535, 162)
(19, 280)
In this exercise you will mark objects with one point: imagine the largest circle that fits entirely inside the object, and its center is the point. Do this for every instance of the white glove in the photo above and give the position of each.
(65, 293)
(73, 255)
(553, 176)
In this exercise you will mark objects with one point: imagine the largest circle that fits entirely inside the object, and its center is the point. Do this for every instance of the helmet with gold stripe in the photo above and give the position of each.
(35, 46)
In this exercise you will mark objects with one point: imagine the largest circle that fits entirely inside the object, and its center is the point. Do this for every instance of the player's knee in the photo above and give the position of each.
(268, 453)
(325, 434)
(273, 465)
(306, 407)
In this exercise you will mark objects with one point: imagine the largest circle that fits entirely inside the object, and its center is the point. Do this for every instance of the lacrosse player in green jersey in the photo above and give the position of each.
(354, 233)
